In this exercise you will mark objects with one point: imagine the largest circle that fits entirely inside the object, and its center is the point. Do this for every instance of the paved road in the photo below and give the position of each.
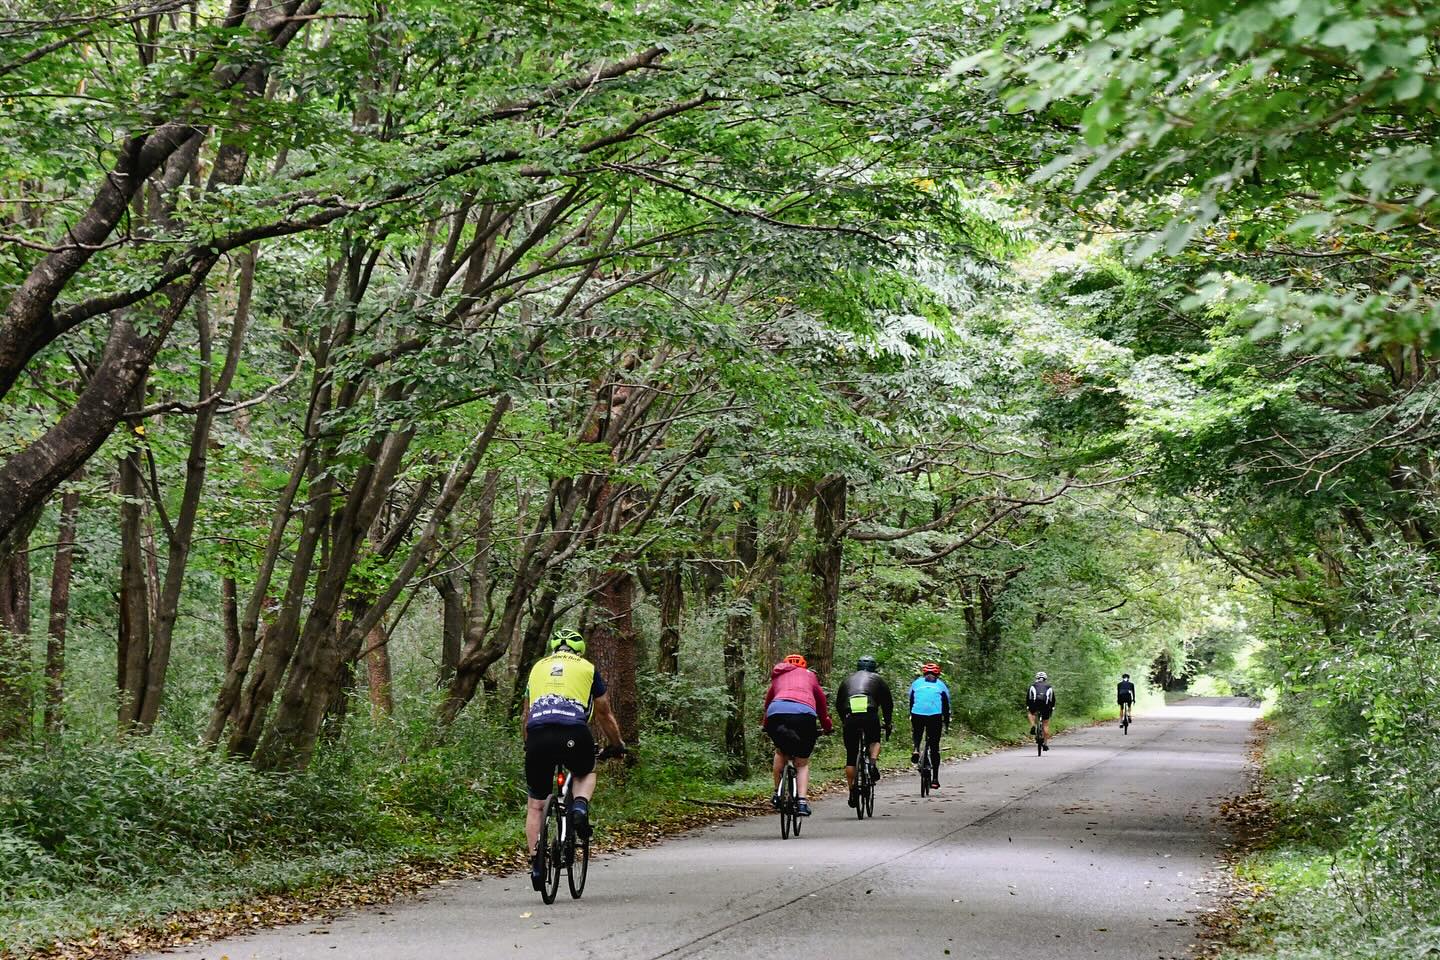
(1100, 848)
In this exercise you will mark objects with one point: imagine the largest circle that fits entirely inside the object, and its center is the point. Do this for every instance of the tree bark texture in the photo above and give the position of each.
(613, 646)
(60, 577)
(671, 583)
(15, 699)
(133, 648)
(378, 672)
(739, 626)
(822, 610)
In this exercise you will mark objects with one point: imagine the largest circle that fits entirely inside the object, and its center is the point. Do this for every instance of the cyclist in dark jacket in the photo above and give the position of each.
(862, 701)
(1040, 701)
(1124, 695)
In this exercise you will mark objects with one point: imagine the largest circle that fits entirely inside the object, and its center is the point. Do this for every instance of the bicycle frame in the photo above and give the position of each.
(789, 800)
(927, 769)
(864, 784)
(559, 852)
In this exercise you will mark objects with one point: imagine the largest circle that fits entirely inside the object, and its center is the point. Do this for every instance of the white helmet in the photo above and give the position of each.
(1040, 677)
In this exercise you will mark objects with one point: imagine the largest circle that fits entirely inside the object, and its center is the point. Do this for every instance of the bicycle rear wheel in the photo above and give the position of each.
(861, 782)
(578, 866)
(787, 800)
(1040, 738)
(925, 776)
(868, 800)
(552, 849)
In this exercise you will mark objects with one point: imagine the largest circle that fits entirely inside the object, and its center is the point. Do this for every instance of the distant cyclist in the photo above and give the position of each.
(563, 691)
(929, 708)
(1040, 701)
(1125, 695)
(862, 701)
(794, 705)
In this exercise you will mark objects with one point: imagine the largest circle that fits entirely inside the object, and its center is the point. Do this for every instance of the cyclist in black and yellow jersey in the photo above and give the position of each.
(862, 700)
(563, 692)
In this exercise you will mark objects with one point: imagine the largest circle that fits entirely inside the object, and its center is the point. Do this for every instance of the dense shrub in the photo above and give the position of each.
(1368, 689)
(118, 812)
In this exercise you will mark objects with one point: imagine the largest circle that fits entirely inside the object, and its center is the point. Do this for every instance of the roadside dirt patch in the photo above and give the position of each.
(1251, 823)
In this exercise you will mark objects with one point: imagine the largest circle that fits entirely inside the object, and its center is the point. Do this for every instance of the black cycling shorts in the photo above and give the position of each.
(794, 733)
(868, 723)
(556, 743)
(1043, 712)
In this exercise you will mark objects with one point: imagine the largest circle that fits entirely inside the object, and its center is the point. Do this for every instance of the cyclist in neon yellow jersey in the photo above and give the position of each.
(564, 690)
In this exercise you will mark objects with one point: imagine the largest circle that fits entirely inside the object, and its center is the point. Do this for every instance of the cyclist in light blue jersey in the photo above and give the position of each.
(929, 708)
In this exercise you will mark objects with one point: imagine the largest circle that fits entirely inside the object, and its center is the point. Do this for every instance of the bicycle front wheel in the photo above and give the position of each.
(552, 841)
(579, 865)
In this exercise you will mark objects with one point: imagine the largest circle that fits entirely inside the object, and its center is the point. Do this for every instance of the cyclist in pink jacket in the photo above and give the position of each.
(794, 707)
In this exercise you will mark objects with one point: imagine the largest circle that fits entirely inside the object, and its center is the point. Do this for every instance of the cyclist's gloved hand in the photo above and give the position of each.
(617, 750)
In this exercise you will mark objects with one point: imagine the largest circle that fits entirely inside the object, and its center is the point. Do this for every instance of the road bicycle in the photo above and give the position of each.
(927, 771)
(864, 782)
(790, 818)
(1125, 718)
(1039, 736)
(561, 847)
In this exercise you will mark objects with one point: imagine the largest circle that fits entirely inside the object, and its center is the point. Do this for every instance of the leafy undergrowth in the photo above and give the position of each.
(1300, 890)
(103, 857)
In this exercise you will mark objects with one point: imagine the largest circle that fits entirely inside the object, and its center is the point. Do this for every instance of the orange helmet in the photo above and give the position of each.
(797, 660)
(931, 668)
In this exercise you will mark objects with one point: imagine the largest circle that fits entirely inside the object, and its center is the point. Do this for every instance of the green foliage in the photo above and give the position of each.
(111, 816)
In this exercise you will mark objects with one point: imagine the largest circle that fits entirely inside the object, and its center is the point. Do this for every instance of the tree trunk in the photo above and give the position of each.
(230, 615)
(181, 534)
(739, 625)
(323, 654)
(485, 646)
(532, 644)
(613, 646)
(672, 609)
(16, 704)
(452, 634)
(825, 569)
(133, 649)
(377, 669)
(60, 611)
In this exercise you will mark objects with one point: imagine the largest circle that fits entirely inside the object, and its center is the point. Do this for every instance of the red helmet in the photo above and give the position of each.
(931, 668)
(797, 660)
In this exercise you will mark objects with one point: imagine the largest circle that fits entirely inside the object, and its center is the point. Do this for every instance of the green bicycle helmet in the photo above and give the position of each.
(867, 663)
(568, 639)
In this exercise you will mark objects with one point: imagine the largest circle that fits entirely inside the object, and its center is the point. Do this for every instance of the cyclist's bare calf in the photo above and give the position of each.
(1034, 718)
(802, 773)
